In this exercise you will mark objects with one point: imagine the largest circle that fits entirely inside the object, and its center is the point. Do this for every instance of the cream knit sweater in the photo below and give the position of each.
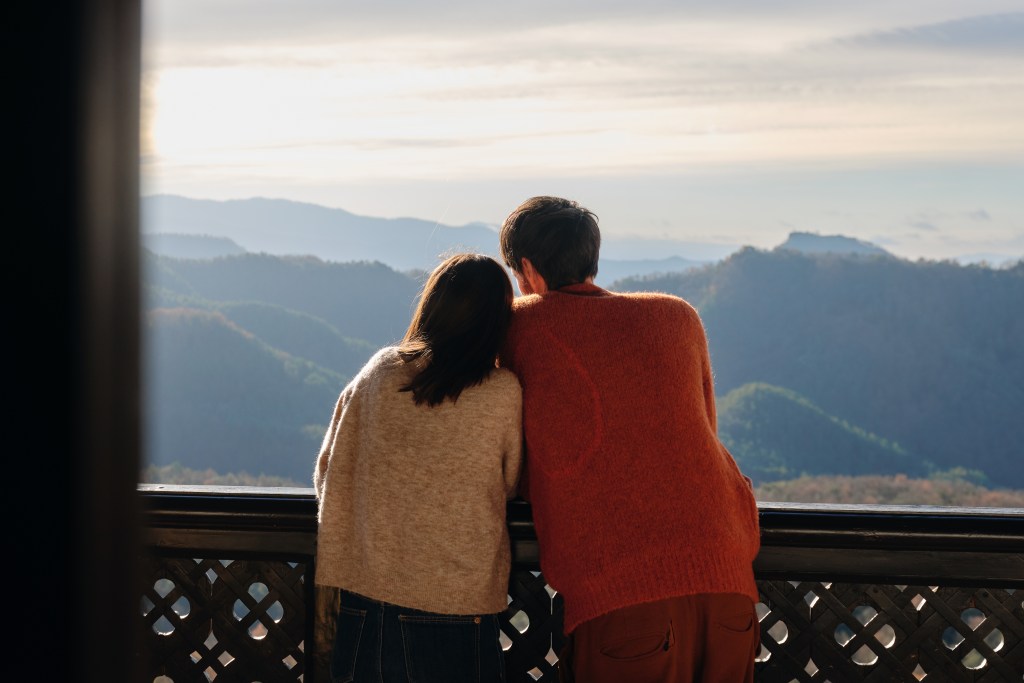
(412, 498)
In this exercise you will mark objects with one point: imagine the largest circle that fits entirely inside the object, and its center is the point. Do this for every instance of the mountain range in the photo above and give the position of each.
(830, 363)
(926, 355)
(184, 227)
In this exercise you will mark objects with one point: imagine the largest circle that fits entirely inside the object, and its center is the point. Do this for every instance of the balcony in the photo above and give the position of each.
(226, 596)
(865, 593)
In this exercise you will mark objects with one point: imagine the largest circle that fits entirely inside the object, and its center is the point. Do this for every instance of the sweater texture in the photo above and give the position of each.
(634, 497)
(412, 499)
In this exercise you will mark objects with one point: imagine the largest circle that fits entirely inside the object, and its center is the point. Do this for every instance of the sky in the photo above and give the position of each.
(734, 122)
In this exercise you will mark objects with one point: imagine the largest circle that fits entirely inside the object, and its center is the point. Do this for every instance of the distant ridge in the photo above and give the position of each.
(609, 270)
(287, 228)
(283, 227)
(813, 243)
(190, 246)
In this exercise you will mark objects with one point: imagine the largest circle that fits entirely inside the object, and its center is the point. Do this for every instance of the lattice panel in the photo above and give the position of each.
(531, 630)
(206, 620)
(223, 620)
(815, 632)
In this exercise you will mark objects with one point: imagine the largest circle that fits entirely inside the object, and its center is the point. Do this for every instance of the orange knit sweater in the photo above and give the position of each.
(634, 497)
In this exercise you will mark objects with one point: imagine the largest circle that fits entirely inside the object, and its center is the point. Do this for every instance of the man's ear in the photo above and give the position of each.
(532, 280)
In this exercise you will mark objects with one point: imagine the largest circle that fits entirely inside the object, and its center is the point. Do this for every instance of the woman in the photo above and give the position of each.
(420, 458)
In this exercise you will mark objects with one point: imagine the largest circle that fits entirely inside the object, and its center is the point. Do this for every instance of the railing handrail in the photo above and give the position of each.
(922, 544)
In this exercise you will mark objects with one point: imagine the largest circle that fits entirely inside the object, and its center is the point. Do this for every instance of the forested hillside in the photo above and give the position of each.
(218, 397)
(926, 355)
(892, 490)
(826, 365)
(245, 356)
(775, 434)
(362, 300)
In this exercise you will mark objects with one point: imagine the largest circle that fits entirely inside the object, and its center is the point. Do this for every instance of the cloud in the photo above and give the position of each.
(980, 215)
(352, 91)
(269, 21)
(232, 22)
(996, 33)
(922, 224)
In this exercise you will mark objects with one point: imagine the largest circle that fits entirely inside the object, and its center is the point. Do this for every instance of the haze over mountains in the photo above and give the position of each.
(199, 228)
(926, 356)
(848, 362)
(184, 227)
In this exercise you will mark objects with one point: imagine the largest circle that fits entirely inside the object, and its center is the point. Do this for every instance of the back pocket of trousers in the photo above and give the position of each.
(346, 644)
(639, 646)
(441, 648)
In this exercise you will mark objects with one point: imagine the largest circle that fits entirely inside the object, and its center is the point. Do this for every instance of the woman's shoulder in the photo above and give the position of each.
(380, 364)
(505, 378)
(499, 387)
(387, 355)
(384, 357)
(503, 382)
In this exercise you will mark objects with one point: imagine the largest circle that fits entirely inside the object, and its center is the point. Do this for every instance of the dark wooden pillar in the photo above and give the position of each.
(73, 437)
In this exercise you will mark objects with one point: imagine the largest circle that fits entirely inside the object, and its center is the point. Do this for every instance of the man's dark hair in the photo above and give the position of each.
(560, 237)
(458, 327)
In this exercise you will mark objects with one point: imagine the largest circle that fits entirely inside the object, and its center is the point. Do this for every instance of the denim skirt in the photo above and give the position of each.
(384, 643)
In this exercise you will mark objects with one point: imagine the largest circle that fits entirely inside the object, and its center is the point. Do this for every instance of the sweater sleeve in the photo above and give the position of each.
(513, 461)
(507, 359)
(344, 399)
(707, 380)
(323, 459)
(512, 439)
(340, 406)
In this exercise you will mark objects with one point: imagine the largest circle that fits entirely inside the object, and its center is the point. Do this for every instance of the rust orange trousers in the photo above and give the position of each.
(707, 638)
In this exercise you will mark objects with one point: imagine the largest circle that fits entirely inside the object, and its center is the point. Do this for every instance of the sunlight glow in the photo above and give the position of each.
(385, 108)
(654, 96)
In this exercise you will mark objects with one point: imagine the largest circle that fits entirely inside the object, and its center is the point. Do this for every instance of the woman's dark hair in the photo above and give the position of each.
(560, 237)
(458, 327)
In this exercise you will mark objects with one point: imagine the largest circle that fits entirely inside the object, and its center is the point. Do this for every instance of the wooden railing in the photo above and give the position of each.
(854, 593)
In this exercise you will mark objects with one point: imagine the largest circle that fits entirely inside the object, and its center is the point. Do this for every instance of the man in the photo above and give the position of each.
(644, 522)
